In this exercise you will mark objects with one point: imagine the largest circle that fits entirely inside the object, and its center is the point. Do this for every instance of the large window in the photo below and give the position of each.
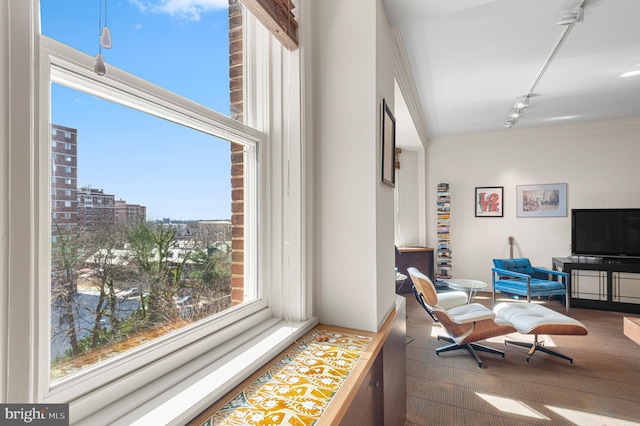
(145, 248)
(116, 197)
(140, 228)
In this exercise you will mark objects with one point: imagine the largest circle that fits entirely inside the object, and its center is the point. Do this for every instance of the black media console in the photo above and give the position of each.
(599, 283)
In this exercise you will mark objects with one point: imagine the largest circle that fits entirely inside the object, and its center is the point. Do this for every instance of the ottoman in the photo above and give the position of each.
(530, 318)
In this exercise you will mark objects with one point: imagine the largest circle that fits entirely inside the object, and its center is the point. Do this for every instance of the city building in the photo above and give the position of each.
(64, 175)
(129, 213)
(95, 208)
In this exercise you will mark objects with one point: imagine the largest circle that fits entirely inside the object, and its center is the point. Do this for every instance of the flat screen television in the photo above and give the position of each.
(606, 233)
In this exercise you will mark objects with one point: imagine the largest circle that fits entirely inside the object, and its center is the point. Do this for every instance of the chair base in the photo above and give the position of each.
(538, 345)
(470, 347)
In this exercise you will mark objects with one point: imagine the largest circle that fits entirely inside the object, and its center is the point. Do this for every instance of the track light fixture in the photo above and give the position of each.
(517, 112)
(572, 17)
(567, 20)
(522, 103)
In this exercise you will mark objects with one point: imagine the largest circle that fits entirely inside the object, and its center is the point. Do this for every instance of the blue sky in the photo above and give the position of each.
(181, 45)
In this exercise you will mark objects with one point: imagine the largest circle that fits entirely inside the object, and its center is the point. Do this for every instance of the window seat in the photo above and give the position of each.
(331, 376)
(184, 401)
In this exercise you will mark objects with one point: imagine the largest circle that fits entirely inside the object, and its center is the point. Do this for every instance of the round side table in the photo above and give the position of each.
(472, 286)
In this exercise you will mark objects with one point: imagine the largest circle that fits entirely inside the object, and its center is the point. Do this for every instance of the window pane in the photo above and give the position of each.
(140, 230)
(181, 46)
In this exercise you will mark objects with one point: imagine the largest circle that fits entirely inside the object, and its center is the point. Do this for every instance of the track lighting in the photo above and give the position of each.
(567, 20)
(517, 112)
(522, 104)
(572, 17)
(510, 123)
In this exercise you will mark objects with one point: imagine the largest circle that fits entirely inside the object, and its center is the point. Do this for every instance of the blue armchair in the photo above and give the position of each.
(518, 277)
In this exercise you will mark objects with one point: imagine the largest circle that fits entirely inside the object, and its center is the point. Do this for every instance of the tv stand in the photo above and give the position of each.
(611, 284)
(621, 260)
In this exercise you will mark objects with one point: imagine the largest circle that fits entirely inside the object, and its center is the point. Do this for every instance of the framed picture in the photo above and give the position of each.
(489, 201)
(541, 200)
(388, 145)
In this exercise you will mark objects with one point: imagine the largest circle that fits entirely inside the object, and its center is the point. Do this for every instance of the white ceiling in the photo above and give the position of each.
(473, 59)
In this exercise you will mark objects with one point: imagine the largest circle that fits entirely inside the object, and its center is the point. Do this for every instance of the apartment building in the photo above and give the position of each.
(129, 213)
(64, 175)
(95, 208)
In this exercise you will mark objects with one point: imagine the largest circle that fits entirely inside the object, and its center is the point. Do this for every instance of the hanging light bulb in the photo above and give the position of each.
(99, 66)
(105, 38)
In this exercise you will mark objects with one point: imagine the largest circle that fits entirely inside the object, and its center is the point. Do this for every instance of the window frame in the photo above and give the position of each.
(64, 65)
(174, 389)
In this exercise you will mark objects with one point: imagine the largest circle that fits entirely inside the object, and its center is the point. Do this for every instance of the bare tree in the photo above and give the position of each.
(108, 261)
(64, 281)
(153, 247)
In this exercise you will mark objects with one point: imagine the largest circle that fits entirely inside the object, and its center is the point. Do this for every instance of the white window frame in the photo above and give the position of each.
(160, 389)
(63, 65)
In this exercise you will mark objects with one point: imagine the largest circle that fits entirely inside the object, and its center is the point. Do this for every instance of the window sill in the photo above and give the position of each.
(171, 401)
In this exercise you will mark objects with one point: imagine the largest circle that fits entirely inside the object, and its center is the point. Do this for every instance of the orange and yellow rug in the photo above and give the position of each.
(297, 389)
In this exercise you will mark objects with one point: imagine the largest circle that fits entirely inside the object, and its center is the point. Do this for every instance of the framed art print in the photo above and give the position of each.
(489, 201)
(388, 142)
(541, 200)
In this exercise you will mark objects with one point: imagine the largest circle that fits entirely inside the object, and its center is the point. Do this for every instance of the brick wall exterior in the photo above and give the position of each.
(236, 93)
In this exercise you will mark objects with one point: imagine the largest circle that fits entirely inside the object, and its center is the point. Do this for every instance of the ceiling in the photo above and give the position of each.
(473, 59)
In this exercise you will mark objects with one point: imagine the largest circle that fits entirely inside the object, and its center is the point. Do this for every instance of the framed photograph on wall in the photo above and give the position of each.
(388, 145)
(548, 200)
(489, 201)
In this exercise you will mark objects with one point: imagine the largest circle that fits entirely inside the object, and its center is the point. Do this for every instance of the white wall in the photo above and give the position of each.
(384, 212)
(598, 162)
(353, 210)
(408, 201)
